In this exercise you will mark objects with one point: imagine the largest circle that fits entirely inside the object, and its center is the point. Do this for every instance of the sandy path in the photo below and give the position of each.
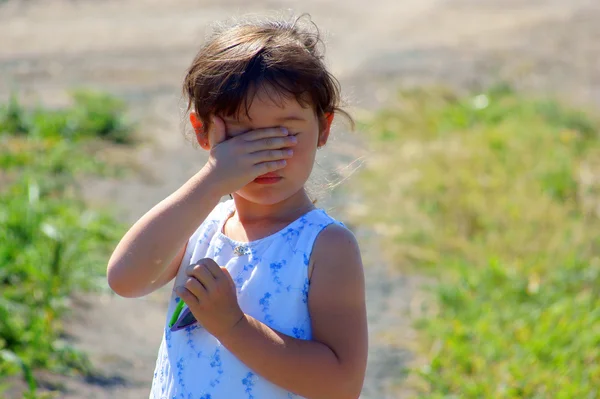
(139, 50)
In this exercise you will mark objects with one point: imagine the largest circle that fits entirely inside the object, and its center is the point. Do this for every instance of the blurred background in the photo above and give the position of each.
(471, 181)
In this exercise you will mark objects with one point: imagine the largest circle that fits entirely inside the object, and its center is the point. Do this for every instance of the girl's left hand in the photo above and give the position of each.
(211, 296)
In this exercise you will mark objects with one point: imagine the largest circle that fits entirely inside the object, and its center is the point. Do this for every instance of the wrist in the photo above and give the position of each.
(231, 334)
(205, 185)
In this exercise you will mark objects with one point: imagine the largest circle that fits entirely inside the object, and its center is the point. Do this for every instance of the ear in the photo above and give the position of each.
(201, 135)
(325, 129)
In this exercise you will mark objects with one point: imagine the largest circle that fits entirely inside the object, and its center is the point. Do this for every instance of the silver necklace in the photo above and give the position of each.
(241, 250)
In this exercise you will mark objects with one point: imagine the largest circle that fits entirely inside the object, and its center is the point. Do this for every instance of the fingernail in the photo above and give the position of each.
(285, 131)
(293, 139)
(289, 152)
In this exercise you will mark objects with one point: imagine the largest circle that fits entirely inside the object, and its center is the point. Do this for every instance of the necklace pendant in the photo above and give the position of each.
(241, 250)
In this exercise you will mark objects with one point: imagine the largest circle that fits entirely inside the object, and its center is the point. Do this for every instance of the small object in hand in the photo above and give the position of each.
(182, 317)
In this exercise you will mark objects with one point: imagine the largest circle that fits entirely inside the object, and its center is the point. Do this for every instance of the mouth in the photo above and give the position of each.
(268, 178)
(268, 175)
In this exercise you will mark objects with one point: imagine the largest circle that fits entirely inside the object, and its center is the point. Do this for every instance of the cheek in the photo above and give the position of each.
(303, 158)
(307, 142)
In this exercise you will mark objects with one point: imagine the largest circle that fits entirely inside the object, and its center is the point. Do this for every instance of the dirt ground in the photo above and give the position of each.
(139, 50)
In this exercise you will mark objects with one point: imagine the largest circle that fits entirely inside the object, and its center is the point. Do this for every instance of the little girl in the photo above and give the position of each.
(273, 287)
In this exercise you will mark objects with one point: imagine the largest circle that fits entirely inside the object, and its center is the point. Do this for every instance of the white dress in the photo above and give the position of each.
(271, 276)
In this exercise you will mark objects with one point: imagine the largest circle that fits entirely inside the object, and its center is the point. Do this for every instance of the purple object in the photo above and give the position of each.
(185, 319)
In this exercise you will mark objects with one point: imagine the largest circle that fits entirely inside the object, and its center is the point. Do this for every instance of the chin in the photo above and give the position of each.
(267, 195)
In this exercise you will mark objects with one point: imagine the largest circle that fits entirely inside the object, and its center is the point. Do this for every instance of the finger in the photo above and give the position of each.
(270, 143)
(270, 155)
(206, 262)
(213, 268)
(269, 166)
(228, 277)
(258, 134)
(200, 272)
(187, 296)
(195, 288)
(217, 132)
(193, 267)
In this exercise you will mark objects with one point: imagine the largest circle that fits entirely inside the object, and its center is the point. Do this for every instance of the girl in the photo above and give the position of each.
(273, 287)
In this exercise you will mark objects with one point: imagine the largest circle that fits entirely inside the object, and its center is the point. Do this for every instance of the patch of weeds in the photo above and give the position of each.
(51, 244)
(91, 115)
(498, 194)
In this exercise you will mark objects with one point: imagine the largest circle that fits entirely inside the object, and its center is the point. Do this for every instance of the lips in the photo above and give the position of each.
(268, 178)
(268, 175)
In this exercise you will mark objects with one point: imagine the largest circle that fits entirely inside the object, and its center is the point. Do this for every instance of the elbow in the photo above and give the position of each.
(345, 394)
(349, 388)
(118, 284)
(352, 391)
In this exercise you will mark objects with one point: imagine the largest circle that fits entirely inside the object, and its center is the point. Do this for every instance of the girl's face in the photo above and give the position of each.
(300, 122)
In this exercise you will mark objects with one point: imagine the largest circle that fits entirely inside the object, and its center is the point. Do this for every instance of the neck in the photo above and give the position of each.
(248, 212)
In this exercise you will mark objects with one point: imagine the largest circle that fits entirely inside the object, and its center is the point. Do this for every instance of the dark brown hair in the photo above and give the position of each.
(278, 55)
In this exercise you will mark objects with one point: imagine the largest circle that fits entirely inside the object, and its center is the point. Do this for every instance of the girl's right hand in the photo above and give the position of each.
(235, 162)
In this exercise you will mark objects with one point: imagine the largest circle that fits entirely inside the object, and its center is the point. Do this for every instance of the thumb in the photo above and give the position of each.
(229, 278)
(216, 133)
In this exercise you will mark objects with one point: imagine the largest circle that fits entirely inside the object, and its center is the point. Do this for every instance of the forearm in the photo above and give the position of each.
(153, 241)
(307, 368)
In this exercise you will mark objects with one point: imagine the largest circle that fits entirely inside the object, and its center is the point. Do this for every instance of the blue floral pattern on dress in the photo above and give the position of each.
(265, 303)
(272, 284)
(191, 341)
(298, 332)
(180, 371)
(217, 250)
(168, 338)
(275, 269)
(248, 382)
(305, 289)
(216, 364)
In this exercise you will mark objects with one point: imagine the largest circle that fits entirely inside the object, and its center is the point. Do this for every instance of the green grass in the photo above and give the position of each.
(91, 114)
(498, 196)
(51, 244)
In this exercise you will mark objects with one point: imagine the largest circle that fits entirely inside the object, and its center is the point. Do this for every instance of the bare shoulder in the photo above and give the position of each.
(336, 249)
(333, 242)
(336, 234)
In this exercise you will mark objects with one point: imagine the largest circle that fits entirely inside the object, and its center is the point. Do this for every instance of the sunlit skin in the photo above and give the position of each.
(285, 200)
(332, 364)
